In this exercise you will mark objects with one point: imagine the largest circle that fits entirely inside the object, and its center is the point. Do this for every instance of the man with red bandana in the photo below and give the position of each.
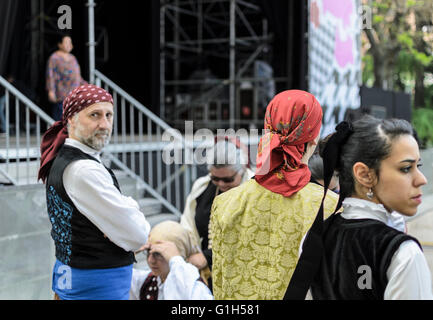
(95, 228)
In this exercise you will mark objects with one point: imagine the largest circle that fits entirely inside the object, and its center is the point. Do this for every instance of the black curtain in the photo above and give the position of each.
(155, 47)
(133, 33)
(8, 14)
(288, 21)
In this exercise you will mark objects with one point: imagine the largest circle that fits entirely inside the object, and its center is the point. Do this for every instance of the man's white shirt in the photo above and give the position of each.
(90, 187)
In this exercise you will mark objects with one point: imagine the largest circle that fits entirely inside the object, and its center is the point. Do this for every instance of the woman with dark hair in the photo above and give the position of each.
(63, 74)
(358, 252)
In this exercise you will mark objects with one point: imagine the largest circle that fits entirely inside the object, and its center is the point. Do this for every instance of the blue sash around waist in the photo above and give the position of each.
(91, 284)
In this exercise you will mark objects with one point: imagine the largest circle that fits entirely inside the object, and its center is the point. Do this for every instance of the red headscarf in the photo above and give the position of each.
(78, 99)
(292, 118)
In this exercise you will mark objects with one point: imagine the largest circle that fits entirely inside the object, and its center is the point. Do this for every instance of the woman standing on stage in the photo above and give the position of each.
(63, 75)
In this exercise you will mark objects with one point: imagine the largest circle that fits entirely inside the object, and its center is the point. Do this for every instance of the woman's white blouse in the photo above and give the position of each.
(408, 274)
(181, 284)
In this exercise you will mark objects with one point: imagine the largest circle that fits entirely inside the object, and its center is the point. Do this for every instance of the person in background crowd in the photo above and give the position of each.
(229, 168)
(63, 75)
(170, 277)
(315, 164)
(257, 227)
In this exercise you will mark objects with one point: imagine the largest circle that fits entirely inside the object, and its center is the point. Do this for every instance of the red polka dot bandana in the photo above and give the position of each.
(83, 97)
(77, 100)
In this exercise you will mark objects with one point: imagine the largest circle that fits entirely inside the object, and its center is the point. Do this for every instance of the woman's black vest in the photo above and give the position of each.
(79, 243)
(357, 255)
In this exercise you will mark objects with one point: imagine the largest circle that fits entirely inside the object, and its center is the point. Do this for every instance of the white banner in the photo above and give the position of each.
(334, 66)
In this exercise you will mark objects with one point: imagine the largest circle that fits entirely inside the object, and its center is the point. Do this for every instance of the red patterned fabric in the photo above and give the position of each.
(149, 289)
(77, 100)
(292, 118)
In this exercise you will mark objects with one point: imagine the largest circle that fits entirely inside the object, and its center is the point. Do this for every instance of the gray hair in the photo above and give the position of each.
(74, 117)
(226, 154)
(315, 164)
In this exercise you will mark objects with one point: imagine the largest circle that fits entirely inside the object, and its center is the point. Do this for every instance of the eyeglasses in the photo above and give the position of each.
(224, 179)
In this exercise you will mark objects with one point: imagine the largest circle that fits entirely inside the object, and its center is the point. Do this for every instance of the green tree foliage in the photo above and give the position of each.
(400, 54)
(422, 120)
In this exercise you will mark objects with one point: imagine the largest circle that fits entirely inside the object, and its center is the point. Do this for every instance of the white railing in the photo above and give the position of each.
(20, 145)
(137, 148)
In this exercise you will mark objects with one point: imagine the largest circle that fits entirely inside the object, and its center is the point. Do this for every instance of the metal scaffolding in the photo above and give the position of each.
(215, 63)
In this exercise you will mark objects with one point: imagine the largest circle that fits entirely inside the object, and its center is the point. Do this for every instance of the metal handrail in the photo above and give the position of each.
(8, 176)
(153, 183)
(14, 169)
(30, 151)
(26, 101)
(163, 180)
(134, 102)
(142, 183)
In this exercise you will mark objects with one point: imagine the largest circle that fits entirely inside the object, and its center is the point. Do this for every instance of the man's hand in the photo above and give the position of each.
(166, 248)
(198, 260)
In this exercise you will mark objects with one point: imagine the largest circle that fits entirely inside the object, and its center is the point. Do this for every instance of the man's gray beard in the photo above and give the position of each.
(92, 141)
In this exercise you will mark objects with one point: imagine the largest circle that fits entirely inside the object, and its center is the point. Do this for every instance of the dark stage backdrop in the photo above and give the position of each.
(129, 29)
(8, 21)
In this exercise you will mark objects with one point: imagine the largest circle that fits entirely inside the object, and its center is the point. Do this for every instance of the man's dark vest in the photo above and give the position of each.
(79, 243)
(357, 255)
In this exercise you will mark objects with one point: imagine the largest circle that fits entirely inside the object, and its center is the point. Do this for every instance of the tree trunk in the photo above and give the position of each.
(419, 87)
(420, 46)
(379, 71)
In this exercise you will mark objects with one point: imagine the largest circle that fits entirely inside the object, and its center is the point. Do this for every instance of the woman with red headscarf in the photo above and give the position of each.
(256, 229)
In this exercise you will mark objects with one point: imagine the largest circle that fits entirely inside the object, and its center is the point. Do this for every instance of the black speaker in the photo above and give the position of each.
(382, 104)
